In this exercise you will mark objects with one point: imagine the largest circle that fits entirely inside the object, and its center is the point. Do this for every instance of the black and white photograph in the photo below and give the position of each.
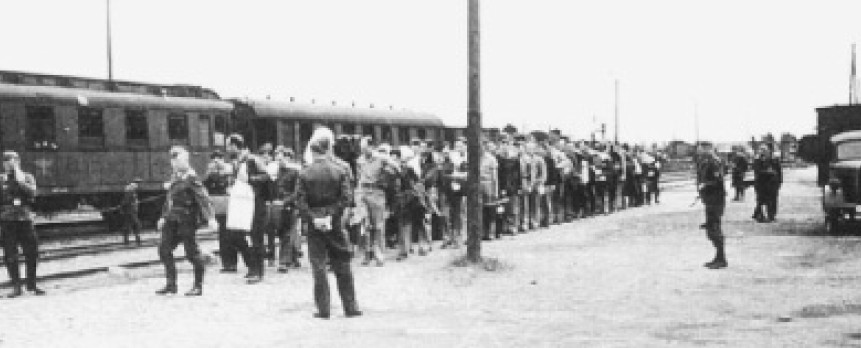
(430, 173)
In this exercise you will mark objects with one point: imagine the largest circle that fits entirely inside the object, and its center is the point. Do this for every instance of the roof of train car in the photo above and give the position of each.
(96, 98)
(326, 113)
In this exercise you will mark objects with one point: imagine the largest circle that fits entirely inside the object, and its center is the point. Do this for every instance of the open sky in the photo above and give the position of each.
(746, 67)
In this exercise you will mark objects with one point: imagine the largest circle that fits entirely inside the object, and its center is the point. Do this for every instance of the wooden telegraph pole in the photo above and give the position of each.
(474, 200)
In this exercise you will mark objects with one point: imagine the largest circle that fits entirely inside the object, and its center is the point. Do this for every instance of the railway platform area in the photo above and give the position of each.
(634, 278)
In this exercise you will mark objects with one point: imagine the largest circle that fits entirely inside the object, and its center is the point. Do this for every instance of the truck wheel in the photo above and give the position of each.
(831, 224)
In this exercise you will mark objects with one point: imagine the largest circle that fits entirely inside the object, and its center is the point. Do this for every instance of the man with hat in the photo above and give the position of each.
(129, 210)
(186, 208)
(710, 185)
(17, 192)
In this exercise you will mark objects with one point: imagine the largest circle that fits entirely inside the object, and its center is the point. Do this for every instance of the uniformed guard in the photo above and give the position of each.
(129, 210)
(322, 193)
(768, 177)
(17, 192)
(710, 179)
(739, 168)
(186, 208)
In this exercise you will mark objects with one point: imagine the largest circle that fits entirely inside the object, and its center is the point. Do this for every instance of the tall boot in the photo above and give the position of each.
(14, 276)
(170, 275)
(31, 277)
(197, 288)
(257, 256)
(720, 257)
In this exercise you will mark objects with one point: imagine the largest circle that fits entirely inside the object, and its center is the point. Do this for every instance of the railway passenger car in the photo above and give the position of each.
(291, 123)
(85, 139)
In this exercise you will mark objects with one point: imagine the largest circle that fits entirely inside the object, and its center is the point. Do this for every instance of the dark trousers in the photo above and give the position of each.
(589, 193)
(766, 197)
(231, 244)
(488, 219)
(175, 231)
(578, 199)
(599, 198)
(257, 252)
(612, 192)
(334, 247)
(132, 226)
(21, 233)
(714, 231)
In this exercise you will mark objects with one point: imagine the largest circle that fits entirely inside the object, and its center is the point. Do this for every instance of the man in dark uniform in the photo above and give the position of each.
(17, 190)
(768, 177)
(322, 193)
(129, 210)
(710, 185)
(186, 208)
(739, 168)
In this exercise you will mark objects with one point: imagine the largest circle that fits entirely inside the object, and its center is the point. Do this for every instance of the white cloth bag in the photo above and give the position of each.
(240, 207)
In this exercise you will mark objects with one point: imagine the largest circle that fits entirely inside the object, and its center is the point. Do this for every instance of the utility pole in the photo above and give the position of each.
(474, 199)
(110, 52)
(616, 125)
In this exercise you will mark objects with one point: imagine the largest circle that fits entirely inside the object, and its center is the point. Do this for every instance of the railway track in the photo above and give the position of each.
(70, 239)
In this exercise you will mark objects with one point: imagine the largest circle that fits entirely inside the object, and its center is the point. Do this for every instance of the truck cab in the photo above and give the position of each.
(841, 195)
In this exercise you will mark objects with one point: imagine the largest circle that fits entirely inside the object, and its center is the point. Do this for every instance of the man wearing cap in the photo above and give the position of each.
(17, 191)
(251, 169)
(713, 194)
(218, 179)
(186, 208)
(129, 211)
(374, 171)
(322, 193)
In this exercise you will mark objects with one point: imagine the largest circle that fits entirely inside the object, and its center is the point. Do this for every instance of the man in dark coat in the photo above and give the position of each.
(323, 191)
(768, 177)
(17, 190)
(710, 185)
(186, 207)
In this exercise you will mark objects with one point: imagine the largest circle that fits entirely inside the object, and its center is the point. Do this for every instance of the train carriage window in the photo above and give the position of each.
(348, 128)
(204, 124)
(305, 131)
(422, 133)
(91, 127)
(386, 134)
(41, 131)
(219, 131)
(137, 130)
(177, 129)
(368, 131)
(404, 134)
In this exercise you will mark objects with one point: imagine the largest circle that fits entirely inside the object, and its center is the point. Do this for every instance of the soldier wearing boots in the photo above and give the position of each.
(186, 207)
(768, 177)
(323, 191)
(17, 189)
(713, 194)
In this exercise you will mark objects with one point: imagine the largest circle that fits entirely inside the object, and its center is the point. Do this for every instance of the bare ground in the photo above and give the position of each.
(633, 279)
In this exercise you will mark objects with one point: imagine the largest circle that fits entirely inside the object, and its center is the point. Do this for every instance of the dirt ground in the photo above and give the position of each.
(633, 279)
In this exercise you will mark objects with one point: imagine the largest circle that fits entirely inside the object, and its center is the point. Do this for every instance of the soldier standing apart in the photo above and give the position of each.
(768, 177)
(129, 209)
(17, 190)
(713, 194)
(322, 193)
(186, 207)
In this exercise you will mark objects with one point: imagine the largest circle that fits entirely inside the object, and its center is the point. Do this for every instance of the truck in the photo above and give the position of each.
(836, 150)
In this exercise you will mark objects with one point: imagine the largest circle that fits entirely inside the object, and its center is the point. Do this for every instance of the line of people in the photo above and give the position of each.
(408, 196)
